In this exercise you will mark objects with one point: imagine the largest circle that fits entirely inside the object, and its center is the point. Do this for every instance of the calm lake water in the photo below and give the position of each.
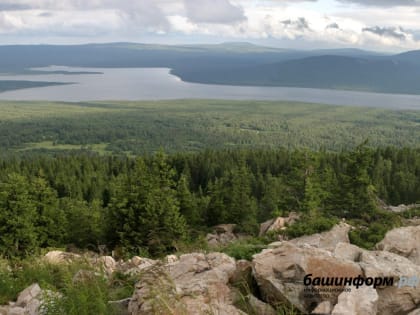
(159, 84)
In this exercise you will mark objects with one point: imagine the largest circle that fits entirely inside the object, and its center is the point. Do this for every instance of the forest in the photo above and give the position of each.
(153, 178)
(137, 128)
(158, 203)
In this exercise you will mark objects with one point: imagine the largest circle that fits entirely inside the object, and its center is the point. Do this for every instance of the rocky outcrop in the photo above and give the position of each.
(359, 301)
(278, 224)
(280, 269)
(327, 240)
(403, 241)
(195, 284)
(279, 273)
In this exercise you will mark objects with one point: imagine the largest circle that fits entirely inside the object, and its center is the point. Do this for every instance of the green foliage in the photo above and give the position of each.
(194, 125)
(308, 225)
(244, 249)
(368, 233)
(89, 294)
(158, 204)
(144, 212)
(18, 234)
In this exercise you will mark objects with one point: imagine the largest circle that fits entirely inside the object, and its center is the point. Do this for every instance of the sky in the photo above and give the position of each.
(383, 25)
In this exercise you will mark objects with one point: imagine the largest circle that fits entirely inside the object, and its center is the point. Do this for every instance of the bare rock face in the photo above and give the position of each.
(361, 301)
(327, 240)
(279, 273)
(403, 241)
(277, 224)
(196, 284)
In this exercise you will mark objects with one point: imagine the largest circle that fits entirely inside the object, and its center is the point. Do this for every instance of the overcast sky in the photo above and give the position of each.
(387, 25)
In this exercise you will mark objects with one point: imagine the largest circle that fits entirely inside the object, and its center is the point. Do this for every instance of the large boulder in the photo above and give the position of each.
(280, 272)
(392, 299)
(359, 301)
(196, 284)
(403, 241)
(327, 240)
(59, 257)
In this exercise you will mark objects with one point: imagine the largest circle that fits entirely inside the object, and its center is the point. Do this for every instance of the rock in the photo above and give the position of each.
(242, 275)
(223, 234)
(259, 307)
(415, 312)
(224, 228)
(278, 223)
(272, 225)
(136, 265)
(170, 259)
(347, 252)
(392, 300)
(27, 295)
(361, 301)
(279, 273)
(17, 311)
(323, 308)
(196, 284)
(327, 240)
(58, 257)
(108, 264)
(403, 241)
(30, 301)
(402, 208)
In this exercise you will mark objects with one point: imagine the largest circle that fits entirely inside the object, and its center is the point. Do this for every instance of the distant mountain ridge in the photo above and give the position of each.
(235, 63)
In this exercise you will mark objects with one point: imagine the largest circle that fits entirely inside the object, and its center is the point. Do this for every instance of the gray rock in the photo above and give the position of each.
(361, 301)
(403, 241)
(323, 308)
(327, 240)
(279, 273)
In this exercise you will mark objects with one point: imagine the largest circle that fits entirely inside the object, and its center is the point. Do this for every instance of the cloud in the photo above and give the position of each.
(384, 3)
(393, 32)
(213, 11)
(333, 26)
(9, 6)
(300, 24)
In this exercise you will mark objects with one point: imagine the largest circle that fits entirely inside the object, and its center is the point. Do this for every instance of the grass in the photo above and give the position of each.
(85, 295)
(50, 145)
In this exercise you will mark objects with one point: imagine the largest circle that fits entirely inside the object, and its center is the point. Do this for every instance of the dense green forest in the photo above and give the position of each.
(195, 125)
(157, 203)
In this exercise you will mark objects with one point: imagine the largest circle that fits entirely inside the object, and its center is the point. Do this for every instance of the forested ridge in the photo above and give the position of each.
(157, 203)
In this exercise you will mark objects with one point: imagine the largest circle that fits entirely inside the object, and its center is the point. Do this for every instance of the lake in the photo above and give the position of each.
(159, 84)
